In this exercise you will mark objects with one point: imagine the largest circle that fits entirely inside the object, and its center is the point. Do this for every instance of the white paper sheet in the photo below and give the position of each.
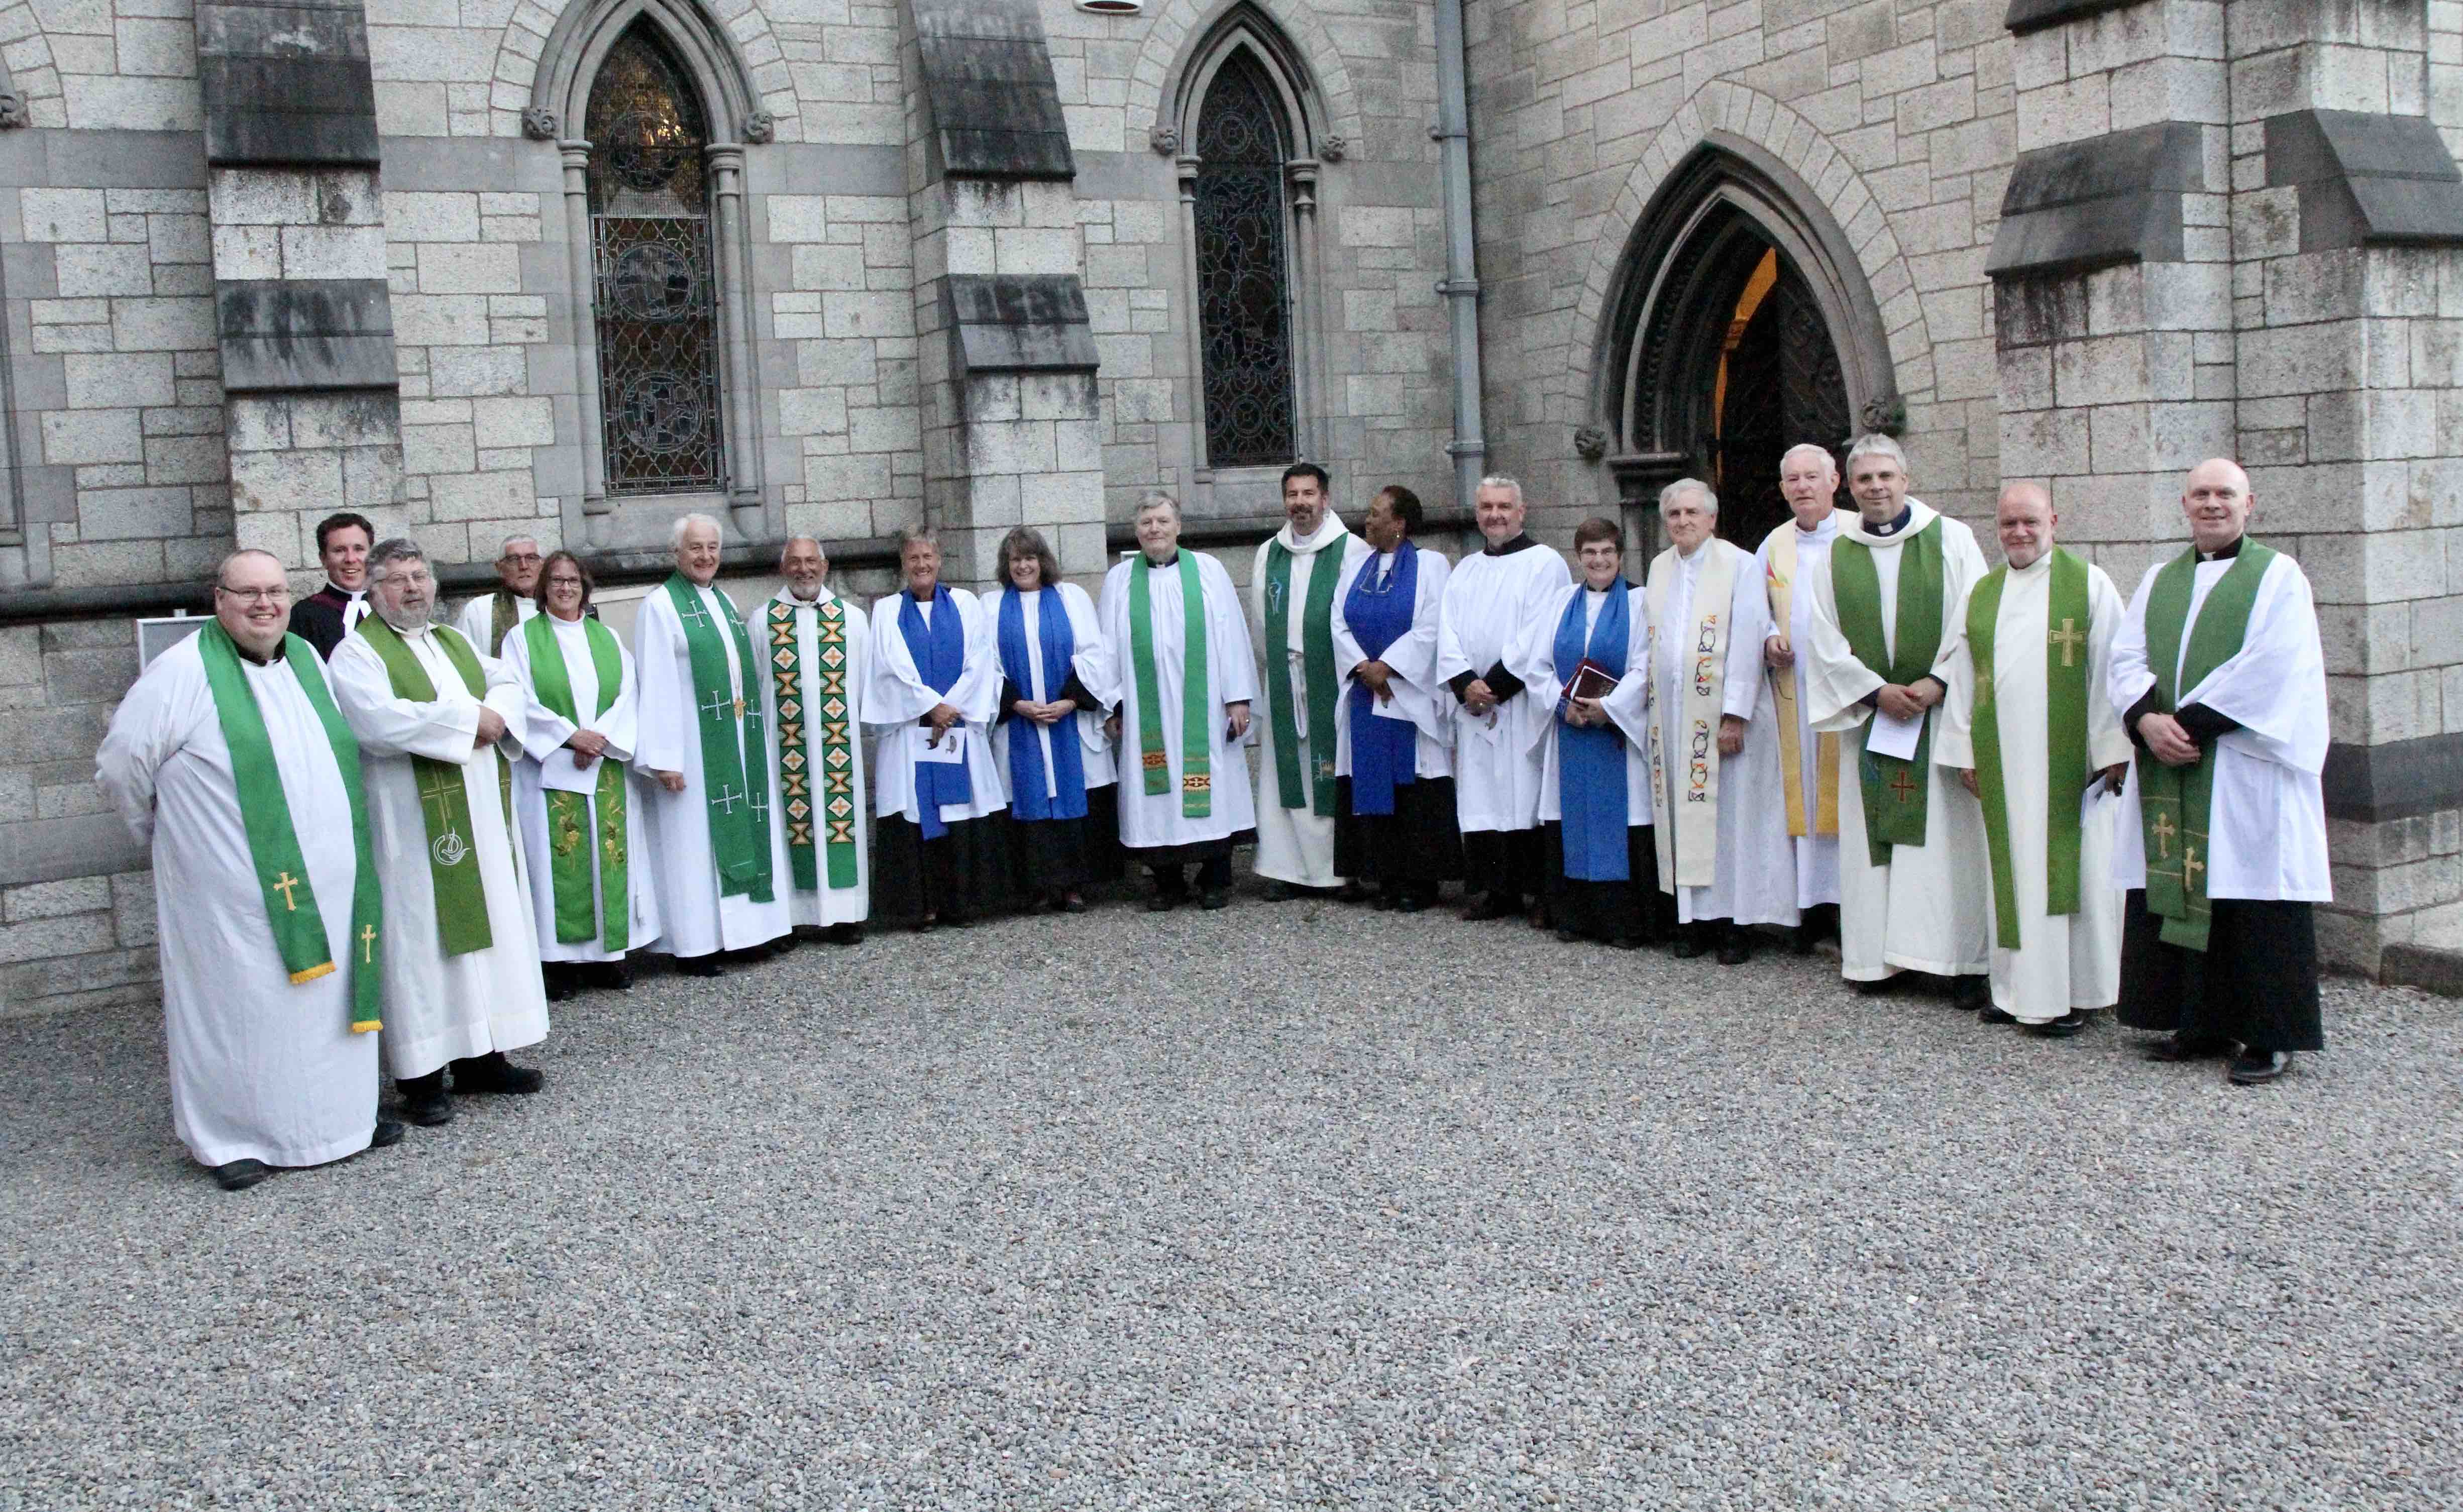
(1894, 737)
(951, 752)
(558, 773)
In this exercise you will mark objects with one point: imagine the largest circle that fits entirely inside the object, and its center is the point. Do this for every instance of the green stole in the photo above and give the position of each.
(444, 789)
(837, 755)
(1895, 795)
(265, 815)
(2174, 802)
(1317, 662)
(734, 763)
(2065, 764)
(572, 859)
(1196, 706)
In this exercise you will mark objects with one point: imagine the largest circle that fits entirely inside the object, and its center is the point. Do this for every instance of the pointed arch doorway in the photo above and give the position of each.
(1742, 326)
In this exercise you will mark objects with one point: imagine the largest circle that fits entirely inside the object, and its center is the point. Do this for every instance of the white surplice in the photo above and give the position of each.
(2063, 960)
(1091, 660)
(1418, 699)
(1817, 856)
(898, 698)
(1297, 845)
(1152, 820)
(1534, 660)
(1755, 882)
(480, 613)
(693, 918)
(1927, 908)
(828, 904)
(546, 767)
(440, 1007)
(2267, 826)
(1488, 600)
(261, 1068)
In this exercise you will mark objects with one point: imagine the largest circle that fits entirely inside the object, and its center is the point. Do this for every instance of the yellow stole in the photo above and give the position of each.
(1780, 547)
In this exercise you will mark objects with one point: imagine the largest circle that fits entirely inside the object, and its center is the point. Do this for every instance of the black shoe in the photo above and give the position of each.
(556, 983)
(238, 1175)
(1493, 905)
(1735, 950)
(2173, 1048)
(2066, 1026)
(1163, 902)
(1628, 942)
(1877, 987)
(700, 965)
(423, 1101)
(1689, 945)
(387, 1134)
(844, 935)
(1569, 936)
(1073, 904)
(616, 976)
(493, 1073)
(2259, 1068)
(1352, 892)
(1407, 904)
(1987, 1013)
(926, 924)
(784, 943)
(1214, 898)
(1279, 892)
(1972, 994)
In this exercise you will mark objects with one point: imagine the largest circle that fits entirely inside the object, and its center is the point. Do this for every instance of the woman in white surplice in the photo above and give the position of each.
(1055, 764)
(564, 756)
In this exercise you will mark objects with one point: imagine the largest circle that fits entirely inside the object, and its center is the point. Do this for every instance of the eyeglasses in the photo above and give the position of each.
(521, 560)
(255, 594)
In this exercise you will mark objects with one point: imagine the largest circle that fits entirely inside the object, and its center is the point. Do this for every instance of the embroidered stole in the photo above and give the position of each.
(2066, 772)
(1196, 703)
(1824, 818)
(444, 788)
(795, 756)
(577, 856)
(735, 752)
(1685, 833)
(1895, 795)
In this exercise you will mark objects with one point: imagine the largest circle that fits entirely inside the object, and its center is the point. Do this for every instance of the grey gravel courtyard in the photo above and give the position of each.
(1286, 1205)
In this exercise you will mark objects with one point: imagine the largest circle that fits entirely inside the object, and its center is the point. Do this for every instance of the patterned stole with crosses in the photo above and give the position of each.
(2174, 802)
(796, 756)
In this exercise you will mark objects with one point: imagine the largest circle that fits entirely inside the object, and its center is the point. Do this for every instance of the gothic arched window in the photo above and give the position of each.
(656, 305)
(1244, 269)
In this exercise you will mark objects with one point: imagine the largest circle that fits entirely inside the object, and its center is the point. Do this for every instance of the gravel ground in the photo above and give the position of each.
(1284, 1205)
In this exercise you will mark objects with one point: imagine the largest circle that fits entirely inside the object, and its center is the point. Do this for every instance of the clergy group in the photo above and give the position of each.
(384, 841)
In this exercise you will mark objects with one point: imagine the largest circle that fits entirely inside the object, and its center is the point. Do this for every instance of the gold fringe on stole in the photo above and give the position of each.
(1825, 746)
(312, 974)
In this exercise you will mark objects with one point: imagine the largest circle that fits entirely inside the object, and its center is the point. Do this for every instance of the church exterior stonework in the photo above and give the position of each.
(485, 267)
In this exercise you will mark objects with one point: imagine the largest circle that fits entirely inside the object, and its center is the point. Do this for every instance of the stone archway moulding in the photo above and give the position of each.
(1812, 201)
(569, 60)
(1185, 35)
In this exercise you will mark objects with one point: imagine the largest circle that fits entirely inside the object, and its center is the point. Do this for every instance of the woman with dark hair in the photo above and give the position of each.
(572, 797)
(1056, 763)
(1394, 787)
(1595, 808)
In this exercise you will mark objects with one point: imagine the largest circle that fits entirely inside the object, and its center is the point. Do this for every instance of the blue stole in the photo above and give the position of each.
(1384, 752)
(1590, 760)
(940, 652)
(1058, 639)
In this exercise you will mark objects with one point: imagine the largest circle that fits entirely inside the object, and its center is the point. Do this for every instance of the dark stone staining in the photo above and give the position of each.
(305, 334)
(2034, 15)
(2366, 179)
(287, 84)
(2399, 780)
(1019, 324)
(2109, 199)
(988, 78)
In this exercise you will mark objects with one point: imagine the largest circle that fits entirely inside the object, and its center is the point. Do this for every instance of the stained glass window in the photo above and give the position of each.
(1243, 277)
(649, 216)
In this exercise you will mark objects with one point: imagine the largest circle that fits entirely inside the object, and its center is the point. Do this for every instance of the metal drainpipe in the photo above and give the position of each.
(1461, 285)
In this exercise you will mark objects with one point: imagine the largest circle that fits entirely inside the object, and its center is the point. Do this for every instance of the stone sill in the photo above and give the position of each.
(2422, 966)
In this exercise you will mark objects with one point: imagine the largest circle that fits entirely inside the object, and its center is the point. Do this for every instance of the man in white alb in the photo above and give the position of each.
(1808, 477)
(487, 619)
(1291, 592)
(819, 657)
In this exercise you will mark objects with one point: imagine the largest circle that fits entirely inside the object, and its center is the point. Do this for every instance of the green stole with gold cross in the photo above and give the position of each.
(1895, 794)
(2174, 802)
(2065, 757)
(572, 858)
(734, 754)
(836, 754)
(444, 788)
(265, 818)
(1315, 790)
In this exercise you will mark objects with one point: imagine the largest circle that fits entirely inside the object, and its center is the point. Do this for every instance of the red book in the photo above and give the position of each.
(1591, 680)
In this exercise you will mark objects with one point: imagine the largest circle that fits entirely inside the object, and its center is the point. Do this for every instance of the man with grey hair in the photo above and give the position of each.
(1910, 836)
(1490, 599)
(1808, 479)
(438, 725)
(718, 853)
(820, 658)
(487, 619)
(229, 763)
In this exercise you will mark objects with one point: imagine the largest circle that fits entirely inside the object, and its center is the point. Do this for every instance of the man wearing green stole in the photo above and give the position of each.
(438, 725)
(2222, 682)
(1291, 591)
(229, 762)
(1910, 836)
(717, 852)
(2029, 732)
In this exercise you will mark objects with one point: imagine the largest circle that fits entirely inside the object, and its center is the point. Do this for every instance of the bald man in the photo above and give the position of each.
(2223, 685)
(2028, 730)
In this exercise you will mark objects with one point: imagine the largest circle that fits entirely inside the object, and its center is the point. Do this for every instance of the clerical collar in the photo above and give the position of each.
(1907, 513)
(801, 599)
(2225, 554)
(1171, 561)
(1815, 528)
(254, 660)
(1519, 542)
(347, 594)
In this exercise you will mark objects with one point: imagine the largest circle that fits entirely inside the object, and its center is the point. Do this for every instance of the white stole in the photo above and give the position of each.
(1689, 843)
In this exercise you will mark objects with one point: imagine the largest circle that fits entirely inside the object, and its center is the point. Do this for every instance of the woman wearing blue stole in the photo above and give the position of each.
(1594, 784)
(1057, 684)
(1394, 823)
